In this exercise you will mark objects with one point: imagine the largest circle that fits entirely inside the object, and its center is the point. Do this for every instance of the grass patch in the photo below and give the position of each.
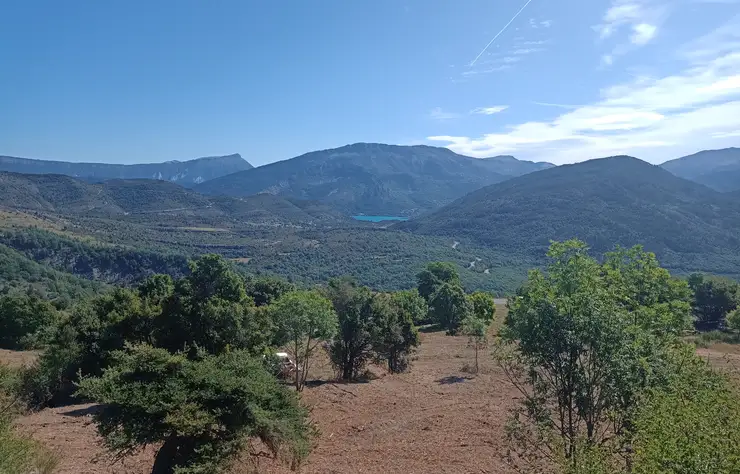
(19, 454)
(706, 339)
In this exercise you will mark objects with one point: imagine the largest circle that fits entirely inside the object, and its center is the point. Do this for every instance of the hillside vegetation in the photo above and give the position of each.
(374, 179)
(718, 169)
(19, 273)
(606, 202)
(186, 173)
(146, 199)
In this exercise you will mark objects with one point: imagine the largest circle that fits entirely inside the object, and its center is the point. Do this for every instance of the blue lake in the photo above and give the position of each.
(379, 218)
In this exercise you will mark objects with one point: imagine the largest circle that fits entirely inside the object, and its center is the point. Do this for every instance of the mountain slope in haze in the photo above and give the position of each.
(186, 173)
(151, 200)
(510, 166)
(605, 202)
(367, 178)
(718, 169)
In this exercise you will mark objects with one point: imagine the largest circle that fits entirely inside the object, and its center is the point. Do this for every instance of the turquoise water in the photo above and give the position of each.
(379, 218)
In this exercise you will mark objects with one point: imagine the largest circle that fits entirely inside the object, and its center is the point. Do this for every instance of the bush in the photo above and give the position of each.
(203, 410)
(352, 347)
(394, 335)
(18, 454)
(690, 426)
(583, 342)
(26, 321)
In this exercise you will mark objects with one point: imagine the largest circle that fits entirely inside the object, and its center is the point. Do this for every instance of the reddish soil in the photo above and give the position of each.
(436, 418)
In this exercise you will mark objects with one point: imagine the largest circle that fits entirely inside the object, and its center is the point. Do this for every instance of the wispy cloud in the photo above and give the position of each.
(656, 118)
(643, 33)
(489, 110)
(561, 106)
(735, 133)
(440, 115)
(486, 70)
(640, 19)
(535, 24)
(524, 51)
(533, 42)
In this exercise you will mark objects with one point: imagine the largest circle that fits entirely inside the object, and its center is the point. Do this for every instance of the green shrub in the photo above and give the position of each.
(690, 426)
(203, 410)
(18, 454)
(26, 321)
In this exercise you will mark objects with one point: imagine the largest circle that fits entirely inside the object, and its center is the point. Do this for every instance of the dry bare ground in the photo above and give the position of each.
(434, 419)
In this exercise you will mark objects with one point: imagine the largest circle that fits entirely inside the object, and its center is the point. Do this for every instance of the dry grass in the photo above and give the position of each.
(17, 359)
(434, 418)
(21, 220)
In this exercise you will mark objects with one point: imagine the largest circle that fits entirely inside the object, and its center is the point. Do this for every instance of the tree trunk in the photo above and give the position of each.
(164, 463)
(476, 357)
(297, 369)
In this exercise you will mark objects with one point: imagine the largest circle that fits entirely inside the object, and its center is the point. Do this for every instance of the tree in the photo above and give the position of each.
(156, 289)
(26, 321)
(265, 290)
(691, 425)
(733, 320)
(353, 345)
(395, 335)
(483, 306)
(449, 306)
(714, 298)
(83, 343)
(476, 328)
(210, 309)
(303, 320)
(583, 341)
(206, 311)
(410, 302)
(434, 276)
(203, 410)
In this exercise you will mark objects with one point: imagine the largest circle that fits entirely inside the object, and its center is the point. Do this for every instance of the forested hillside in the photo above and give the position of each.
(91, 260)
(186, 173)
(606, 202)
(718, 169)
(374, 178)
(18, 273)
(146, 199)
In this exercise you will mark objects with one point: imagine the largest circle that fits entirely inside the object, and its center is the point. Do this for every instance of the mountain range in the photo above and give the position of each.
(154, 200)
(371, 178)
(718, 169)
(187, 173)
(605, 202)
(493, 217)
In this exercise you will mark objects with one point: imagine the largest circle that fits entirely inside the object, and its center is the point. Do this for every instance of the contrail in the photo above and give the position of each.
(500, 32)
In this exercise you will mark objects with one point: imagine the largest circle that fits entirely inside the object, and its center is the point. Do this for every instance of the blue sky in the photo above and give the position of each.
(565, 81)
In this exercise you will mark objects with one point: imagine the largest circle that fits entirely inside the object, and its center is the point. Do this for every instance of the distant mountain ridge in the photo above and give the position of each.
(152, 200)
(610, 201)
(718, 169)
(187, 173)
(373, 178)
